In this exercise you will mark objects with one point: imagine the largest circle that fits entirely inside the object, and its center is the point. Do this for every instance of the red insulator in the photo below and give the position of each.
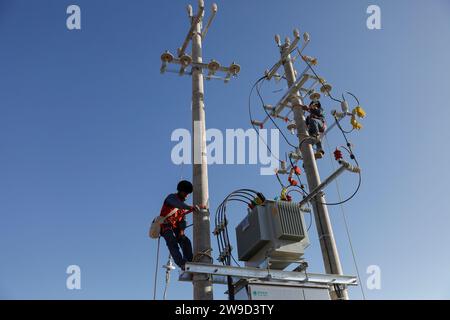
(293, 182)
(337, 154)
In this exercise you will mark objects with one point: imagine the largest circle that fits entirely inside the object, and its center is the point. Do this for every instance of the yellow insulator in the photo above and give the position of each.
(258, 201)
(360, 112)
(283, 195)
(355, 124)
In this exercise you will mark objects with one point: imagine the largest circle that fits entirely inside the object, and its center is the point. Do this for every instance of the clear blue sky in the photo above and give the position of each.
(86, 119)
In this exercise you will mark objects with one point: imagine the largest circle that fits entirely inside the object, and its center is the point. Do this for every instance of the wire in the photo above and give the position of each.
(279, 180)
(312, 69)
(347, 229)
(251, 117)
(357, 100)
(221, 232)
(270, 117)
(156, 270)
(353, 157)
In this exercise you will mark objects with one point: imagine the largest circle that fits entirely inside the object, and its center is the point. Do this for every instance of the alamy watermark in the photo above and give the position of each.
(73, 281)
(374, 279)
(236, 146)
(73, 21)
(374, 20)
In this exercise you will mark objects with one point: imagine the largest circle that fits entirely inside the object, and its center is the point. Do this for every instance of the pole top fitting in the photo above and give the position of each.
(278, 40)
(190, 11)
(214, 7)
(287, 41)
(306, 37)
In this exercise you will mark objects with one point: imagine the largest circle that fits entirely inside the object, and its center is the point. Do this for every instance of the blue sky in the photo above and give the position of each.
(86, 120)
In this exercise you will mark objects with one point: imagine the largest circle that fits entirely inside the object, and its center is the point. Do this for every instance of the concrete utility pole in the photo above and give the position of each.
(202, 236)
(202, 283)
(324, 229)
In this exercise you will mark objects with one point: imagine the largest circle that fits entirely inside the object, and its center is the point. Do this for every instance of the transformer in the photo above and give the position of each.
(272, 235)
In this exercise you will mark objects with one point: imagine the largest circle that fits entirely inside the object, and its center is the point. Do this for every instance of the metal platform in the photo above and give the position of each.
(220, 272)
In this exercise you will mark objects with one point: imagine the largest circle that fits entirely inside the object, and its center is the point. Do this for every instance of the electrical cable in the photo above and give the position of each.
(270, 117)
(317, 76)
(262, 79)
(221, 231)
(347, 229)
(353, 157)
(251, 117)
(221, 221)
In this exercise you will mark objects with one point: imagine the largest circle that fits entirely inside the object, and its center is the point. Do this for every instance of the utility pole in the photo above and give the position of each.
(202, 236)
(202, 283)
(327, 242)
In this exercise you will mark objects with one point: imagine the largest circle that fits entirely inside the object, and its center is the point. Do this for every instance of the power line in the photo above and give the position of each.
(347, 229)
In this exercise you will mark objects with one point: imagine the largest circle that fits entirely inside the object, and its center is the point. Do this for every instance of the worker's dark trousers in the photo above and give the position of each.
(314, 129)
(174, 242)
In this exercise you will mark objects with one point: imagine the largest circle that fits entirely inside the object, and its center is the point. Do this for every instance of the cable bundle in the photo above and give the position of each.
(251, 198)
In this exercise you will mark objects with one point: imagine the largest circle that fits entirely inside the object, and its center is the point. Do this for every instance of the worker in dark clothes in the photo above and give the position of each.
(172, 230)
(315, 122)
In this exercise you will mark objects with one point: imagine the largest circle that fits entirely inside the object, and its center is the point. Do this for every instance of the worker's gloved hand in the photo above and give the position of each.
(199, 207)
(305, 108)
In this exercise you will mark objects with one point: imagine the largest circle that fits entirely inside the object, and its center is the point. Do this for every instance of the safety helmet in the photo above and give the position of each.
(315, 103)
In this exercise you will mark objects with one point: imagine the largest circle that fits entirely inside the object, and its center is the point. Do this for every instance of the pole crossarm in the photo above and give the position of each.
(292, 91)
(185, 60)
(213, 67)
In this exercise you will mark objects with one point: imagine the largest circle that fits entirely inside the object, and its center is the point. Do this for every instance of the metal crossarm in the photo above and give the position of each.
(255, 273)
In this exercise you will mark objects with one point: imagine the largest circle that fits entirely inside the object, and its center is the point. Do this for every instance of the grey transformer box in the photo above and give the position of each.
(274, 233)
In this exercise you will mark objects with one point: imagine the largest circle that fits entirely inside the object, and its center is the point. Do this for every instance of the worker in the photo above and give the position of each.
(172, 230)
(316, 125)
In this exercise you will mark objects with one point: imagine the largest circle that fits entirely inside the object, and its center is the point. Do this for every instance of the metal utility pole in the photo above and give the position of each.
(322, 219)
(202, 283)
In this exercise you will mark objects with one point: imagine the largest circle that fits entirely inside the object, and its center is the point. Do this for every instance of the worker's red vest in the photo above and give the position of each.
(174, 220)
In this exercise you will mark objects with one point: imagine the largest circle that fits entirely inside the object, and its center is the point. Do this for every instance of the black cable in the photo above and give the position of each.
(270, 117)
(357, 100)
(353, 157)
(251, 117)
(312, 69)
(223, 239)
(279, 180)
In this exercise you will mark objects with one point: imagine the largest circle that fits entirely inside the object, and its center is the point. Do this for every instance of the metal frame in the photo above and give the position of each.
(268, 274)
